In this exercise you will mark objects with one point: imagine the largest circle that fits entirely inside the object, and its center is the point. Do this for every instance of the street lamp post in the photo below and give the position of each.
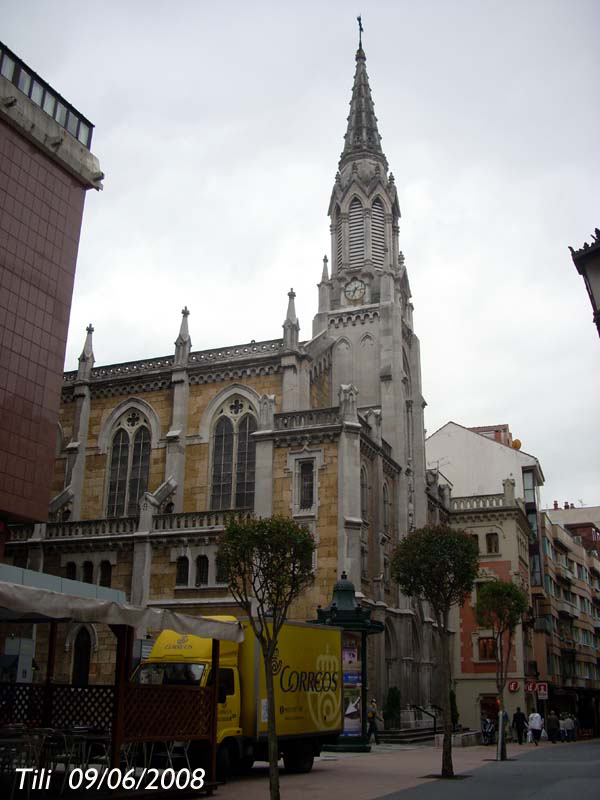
(345, 612)
(587, 261)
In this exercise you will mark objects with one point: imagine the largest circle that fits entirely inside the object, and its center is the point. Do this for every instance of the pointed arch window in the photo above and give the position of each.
(87, 575)
(202, 571)
(234, 457)
(386, 508)
(338, 238)
(357, 233)
(82, 652)
(129, 466)
(364, 493)
(105, 573)
(378, 234)
(246, 463)
(222, 477)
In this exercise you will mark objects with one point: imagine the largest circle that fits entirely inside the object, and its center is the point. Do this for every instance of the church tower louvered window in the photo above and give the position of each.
(357, 234)
(378, 234)
(129, 465)
(338, 238)
(234, 456)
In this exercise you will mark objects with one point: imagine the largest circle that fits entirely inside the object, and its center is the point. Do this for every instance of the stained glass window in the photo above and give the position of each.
(246, 463)
(129, 467)
(140, 464)
(222, 464)
(117, 484)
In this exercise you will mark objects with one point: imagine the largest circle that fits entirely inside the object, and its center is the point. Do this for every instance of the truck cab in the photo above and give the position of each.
(178, 659)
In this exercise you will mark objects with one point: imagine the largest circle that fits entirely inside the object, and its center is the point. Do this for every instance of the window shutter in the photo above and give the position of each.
(378, 234)
(357, 233)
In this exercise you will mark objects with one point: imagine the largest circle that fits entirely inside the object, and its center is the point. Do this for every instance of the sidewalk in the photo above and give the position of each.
(364, 776)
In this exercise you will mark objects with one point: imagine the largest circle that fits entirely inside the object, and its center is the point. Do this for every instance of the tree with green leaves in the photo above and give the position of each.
(267, 564)
(439, 564)
(500, 607)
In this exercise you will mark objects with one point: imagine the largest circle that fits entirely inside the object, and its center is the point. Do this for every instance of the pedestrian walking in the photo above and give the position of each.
(373, 718)
(553, 727)
(519, 723)
(563, 732)
(570, 728)
(488, 730)
(535, 726)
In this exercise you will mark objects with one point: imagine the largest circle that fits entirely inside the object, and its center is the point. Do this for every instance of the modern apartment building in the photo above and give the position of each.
(567, 624)
(46, 167)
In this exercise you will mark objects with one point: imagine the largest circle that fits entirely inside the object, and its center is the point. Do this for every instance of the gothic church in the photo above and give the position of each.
(152, 455)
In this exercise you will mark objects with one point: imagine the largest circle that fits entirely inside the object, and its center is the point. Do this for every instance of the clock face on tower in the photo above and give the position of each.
(355, 290)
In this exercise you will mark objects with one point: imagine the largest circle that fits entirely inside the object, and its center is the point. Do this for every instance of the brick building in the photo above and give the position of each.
(46, 167)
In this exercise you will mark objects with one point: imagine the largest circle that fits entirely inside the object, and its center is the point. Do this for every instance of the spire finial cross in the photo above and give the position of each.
(185, 311)
(360, 31)
(90, 328)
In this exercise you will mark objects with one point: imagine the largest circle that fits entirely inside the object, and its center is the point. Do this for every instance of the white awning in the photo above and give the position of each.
(20, 603)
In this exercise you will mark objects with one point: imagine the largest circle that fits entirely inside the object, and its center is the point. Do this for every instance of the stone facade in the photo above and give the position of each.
(155, 454)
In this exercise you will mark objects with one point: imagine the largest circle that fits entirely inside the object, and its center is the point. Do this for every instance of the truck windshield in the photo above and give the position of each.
(173, 674)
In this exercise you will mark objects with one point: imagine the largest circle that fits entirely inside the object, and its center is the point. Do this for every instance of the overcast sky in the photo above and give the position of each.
(219, 127)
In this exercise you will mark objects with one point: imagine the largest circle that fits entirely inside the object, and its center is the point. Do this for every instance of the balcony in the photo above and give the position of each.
(477, 502)
(563, 573)
(193, 521)
(563, 607)
(196, 520)
(318, 417)
(565, 539)
(542, 625)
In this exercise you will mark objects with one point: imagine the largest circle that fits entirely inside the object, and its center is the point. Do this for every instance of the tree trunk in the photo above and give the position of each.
(272, 728)
(447, 767)
(501, 729)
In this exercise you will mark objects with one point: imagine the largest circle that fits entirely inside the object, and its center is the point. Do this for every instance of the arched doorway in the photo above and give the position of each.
(82, 650)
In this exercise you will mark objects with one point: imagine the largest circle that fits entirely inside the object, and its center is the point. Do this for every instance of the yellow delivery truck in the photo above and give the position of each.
(308, 690)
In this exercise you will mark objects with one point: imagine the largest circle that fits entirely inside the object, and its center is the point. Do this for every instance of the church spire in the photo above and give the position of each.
(291, 326)
(183, 343)
(86, 359)
(362, 136)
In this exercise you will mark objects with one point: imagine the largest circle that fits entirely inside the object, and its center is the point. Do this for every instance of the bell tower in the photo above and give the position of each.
(364, 299)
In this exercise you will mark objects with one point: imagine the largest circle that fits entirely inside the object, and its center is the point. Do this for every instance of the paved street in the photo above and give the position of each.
(560, 771)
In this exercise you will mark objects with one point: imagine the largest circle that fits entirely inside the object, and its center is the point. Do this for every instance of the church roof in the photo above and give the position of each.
(251, 351)
(362, 136)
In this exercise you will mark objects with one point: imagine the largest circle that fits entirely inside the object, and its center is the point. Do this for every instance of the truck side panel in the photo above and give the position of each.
(308, 679)
(250, 656)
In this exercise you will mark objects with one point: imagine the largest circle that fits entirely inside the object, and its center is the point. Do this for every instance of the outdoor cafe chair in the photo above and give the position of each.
(64, 748)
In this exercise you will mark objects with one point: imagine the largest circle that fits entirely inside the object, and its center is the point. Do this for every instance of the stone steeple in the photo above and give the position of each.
(86, 359)
(291, 326)
(183, 343)
(364, 207)
(362, 135)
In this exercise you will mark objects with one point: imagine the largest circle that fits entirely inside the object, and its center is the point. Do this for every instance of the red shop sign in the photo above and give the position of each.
(530, 686)
(513, 686)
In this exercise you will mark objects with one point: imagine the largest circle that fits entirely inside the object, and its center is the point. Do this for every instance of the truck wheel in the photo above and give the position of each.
(246, 764)
(227, 762)
(300, 759)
